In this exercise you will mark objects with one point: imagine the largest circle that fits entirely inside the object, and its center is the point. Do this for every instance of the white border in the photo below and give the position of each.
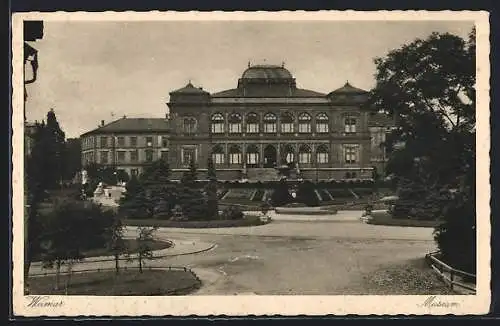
(259, 305)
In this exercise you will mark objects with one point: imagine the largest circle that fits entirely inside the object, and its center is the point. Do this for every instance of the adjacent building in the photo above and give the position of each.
(266, 122)
(127, 144)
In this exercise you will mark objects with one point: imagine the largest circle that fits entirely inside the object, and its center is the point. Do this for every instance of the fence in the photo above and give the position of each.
(450, 275)
(108, 269)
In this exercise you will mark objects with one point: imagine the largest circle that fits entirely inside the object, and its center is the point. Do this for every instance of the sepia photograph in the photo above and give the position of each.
(250, 163)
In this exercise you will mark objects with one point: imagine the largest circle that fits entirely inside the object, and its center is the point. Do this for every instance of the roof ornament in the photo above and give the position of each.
(282, 64)
(249, 64)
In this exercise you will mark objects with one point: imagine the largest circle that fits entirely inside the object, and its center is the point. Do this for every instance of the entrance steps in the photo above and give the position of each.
(262, 174)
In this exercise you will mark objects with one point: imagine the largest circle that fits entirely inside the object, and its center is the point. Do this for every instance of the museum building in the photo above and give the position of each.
(267, 123)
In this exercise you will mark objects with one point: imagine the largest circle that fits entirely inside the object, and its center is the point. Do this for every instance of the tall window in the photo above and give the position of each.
(304, 123)
(218, 154)
(349, 125)
(252, 123)
(120, 156)
(252, 155)
(149, 141)
(104, 142)
(133, 141)
(189, 125)
(234, 155)
(188, 155)
(234, 123)
(351, 153)
(304, 154)
(287, 122)
(104, 157)
(289, 154)
(164, 141)
(149, 155)
(322, 123)
(134, 156)
(270, 123)
(217, 123)
(164, 155)
(322, 154)
(121, 141)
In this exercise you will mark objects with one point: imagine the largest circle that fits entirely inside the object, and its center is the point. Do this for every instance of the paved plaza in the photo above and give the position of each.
(297, 256)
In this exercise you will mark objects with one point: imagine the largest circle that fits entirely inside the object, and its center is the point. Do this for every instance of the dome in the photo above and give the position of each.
(266, 72)
(349, 89)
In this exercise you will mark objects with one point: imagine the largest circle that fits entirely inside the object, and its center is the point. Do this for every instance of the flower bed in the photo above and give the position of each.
(382, 217)
(249, 220)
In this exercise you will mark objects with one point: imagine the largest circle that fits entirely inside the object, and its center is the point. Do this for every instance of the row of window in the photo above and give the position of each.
(121, 156)
(120, 141)
(270, 123)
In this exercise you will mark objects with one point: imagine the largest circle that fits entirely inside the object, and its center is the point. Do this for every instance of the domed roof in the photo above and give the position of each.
(349, 89)
(190, 89)
(266, 72)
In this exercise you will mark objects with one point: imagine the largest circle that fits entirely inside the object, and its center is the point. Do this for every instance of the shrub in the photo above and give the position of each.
(232, 213)
(281, 196)
(306, 194)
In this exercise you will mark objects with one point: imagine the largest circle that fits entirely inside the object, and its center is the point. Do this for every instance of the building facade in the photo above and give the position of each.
(267, 122)
(127, 144)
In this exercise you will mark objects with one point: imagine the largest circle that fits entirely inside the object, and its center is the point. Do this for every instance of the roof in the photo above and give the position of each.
(189, 89)
(266, 72)
(380, 120)
(296, 92)
(349, 89)
(133, 125)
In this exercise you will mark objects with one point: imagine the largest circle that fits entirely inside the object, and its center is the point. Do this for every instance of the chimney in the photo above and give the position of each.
(102, 123)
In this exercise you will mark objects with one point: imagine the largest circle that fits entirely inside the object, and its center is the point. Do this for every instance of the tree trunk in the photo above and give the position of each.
(58, 272)
(68, 277)
(117, 263)
(140, 263)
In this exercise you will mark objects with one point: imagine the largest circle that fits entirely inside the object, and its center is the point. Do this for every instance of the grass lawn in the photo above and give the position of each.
(128, 282)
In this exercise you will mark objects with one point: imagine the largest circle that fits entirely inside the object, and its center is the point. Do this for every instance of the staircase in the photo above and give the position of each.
(262, 174)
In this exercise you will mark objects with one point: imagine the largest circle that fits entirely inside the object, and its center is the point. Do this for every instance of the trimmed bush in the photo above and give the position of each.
(306, 194)
(232, 213)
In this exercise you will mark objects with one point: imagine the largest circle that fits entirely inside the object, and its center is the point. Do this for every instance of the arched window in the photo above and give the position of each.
(350, 125)
(252, 155)
(234, 155)
(322, 123)
(218, 154)
(304, 123)
(304, 154)
(351, 153)
(189, 125)
(252, 123)
(288, 154)
(287, 122)
(217, 123)
(235, 123)
(322, 154)
(270, 123)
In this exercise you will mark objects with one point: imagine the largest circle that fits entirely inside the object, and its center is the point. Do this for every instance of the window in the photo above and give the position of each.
(104, 142)
(164, 141)
(304, 154)
(217, 123)
(252, 155)
(322, 154)
(149, 155)
(91, 156)
(304, 123)
(287, 122)
(189, 125)
(149, 141)
(134, 156)
(188, 155)
(235, 123)
(351, 153)
(252, 123)
(218, 154)
(234, 155)
(120, 156)
(270, 123)
(322, 123)
(350, 125)
(121, 141)
(289, 154)
(133, 141)
(104, 157)
(164, 155)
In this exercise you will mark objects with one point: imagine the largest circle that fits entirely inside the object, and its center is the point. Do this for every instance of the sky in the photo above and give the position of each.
(93, 71)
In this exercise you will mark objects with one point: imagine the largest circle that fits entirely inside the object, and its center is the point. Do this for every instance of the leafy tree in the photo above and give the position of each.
(428, 85)
(134, 203)
(211, 191)
(306, 194)
(144, 240)
(55, 147)
(212, 176)
(158, 173)
(73, 160)
(189, 177)
(232, 213)
(281, 196)
(115, 242)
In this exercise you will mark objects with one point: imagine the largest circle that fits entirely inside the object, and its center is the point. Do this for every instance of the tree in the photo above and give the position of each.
(189, 177)
(211, 191)
(211, 174)
(281, 196)
(306, 194)
(116, 244)
(134, 203)
(55, 151)
(428, 85)
(73, 160)
(144, 240)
